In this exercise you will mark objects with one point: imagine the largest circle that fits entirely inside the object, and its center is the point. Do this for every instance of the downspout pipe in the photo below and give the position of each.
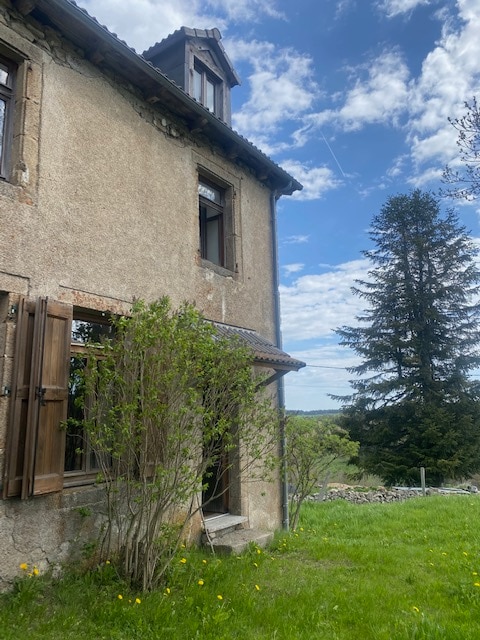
(278, 339)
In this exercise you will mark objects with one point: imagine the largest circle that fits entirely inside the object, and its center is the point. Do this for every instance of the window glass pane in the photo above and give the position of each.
(4, 74)
(197, 85)
(3, 107)
(210, 193)
(210, 97)
(84, 331)
(74, 436)
(213, 240)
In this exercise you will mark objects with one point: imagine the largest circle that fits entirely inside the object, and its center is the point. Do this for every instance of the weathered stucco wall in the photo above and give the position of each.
(102, 208)
(114, 208)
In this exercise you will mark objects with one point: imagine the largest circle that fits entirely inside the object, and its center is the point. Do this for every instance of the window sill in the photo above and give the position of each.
(221, 271)
(79, 480)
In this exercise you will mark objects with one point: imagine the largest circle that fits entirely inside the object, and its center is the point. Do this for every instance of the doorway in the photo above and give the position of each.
(216, 491)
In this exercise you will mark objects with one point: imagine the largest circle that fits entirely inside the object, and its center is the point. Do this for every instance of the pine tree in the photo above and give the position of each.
(413, 403)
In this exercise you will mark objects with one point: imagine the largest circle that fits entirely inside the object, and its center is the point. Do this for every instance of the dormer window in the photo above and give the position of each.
(196, 60)
(205, 88)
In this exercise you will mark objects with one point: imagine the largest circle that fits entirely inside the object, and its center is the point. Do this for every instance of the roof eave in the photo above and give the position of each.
(74, 22)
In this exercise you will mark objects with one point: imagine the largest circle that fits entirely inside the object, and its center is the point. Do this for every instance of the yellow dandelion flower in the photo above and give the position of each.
(182, 546)
(474, 573)
(183, 560)
(465, 553)
(24, 566)
(259, 551)
(476, 584)
(257, 587)
(301, 528)
(204, 561)
(167, 591)
(120, 597)
(35, 571)
(255, 564)
(107, 561)
(138, 601)
(219, 597)
(416, 609)
(201, 583)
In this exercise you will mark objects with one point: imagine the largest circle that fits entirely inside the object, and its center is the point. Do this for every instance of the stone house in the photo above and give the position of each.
(120, 178)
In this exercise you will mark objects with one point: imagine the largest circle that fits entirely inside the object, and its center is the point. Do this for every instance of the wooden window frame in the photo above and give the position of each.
(220, 214)
(211, 215)
(88, 473)
(206, 78)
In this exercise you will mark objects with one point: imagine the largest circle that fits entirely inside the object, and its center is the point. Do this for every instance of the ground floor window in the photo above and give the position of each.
(46, 445)
(80, 459)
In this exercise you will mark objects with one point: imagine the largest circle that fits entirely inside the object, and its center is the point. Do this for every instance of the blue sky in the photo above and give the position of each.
(352, 97)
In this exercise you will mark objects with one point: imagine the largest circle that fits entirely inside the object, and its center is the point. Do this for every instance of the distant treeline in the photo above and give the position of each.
(313, 412)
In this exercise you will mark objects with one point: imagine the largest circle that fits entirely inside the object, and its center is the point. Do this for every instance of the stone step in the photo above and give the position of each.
(237, 542)
(221, 525)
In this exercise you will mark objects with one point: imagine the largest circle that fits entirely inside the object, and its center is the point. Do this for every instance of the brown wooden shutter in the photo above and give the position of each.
(40, 398)
(12, 485)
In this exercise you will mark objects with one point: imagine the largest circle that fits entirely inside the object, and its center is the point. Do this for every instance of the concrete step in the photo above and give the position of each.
(236, 542)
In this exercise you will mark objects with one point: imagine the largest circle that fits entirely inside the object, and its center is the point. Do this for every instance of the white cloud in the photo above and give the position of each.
(450, 75)
(381, 97)
(245, 10)
(296, 239)
(316, 180)
(144, 22)
(314, 305)
(385, 93)
(394, 8)
(281, 89)
(294, 267)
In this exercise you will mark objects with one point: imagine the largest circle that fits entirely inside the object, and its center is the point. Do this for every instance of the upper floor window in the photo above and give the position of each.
(205, 88)
(211, 211)
(217, 224)
(7, 72)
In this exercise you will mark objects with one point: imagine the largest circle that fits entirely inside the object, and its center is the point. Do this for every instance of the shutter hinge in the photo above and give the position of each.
(12, 311)
(40, 393)
(6, 391)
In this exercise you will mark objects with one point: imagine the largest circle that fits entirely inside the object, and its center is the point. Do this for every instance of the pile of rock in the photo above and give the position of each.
(360, 496)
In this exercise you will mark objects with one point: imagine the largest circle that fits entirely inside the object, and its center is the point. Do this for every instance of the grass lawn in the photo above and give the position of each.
(376, 572)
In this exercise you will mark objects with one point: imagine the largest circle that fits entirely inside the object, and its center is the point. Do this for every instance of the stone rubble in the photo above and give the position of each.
(375, 495)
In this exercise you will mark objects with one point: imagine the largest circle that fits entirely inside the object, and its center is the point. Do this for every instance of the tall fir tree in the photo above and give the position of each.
(413, 403)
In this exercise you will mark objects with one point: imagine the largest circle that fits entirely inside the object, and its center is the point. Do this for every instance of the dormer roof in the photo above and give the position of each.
(211, 37)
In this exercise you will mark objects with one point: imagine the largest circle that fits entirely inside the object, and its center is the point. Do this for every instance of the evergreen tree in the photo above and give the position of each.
(413, 403)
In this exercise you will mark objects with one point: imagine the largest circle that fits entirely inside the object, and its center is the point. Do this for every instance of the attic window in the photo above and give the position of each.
(205, 88)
